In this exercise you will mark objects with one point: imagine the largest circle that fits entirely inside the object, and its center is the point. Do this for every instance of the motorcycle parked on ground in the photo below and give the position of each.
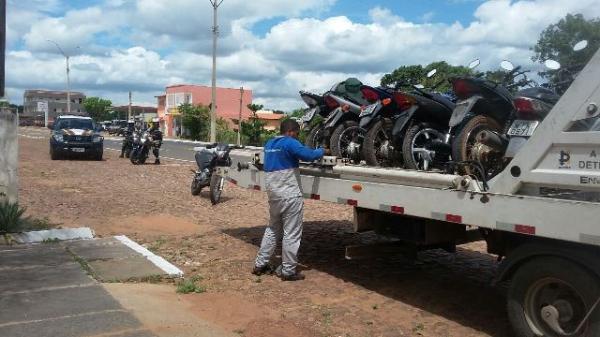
(208, 159)
(142, 143)
(409, 130)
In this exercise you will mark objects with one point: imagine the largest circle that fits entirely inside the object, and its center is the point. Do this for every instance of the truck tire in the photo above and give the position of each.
(54, 155)
(567, 286)
(334, 142)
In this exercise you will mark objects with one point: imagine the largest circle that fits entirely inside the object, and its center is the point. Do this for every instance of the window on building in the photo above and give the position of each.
(176, 99)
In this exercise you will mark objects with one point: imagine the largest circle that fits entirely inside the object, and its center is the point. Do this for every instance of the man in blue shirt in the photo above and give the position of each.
(286, 205)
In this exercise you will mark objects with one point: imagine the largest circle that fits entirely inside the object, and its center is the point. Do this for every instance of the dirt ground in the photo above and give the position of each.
(439, 294)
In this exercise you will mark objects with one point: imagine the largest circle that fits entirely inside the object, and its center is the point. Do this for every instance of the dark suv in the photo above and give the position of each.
(75, 135)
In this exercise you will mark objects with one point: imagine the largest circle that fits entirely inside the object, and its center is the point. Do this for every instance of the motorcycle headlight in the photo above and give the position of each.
(58, 137)
(97, 139)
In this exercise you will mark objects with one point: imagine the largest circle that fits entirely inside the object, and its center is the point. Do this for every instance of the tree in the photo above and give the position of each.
(556, 42)
(416, 74)
(195, 119)
(97, 108)
(254, 127)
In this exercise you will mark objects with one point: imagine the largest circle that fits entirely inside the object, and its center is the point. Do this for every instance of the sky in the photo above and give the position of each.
(274, 47)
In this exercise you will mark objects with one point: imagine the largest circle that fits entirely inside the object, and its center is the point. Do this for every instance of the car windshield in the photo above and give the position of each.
(85, 124)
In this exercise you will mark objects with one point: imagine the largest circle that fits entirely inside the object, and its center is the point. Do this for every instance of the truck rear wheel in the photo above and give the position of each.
(553, 286)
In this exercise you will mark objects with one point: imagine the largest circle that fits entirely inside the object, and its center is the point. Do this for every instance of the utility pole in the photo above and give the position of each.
(9, 121)
(129, 110)
(239, 138)
(213, 115)
(67, 58)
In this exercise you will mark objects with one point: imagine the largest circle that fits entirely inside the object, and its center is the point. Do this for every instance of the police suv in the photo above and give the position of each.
(75, 135)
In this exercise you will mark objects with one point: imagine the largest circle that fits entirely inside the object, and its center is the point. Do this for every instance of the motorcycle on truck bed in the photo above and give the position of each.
(540, 214)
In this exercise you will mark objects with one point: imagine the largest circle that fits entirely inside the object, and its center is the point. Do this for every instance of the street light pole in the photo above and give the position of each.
(213, 115)
(67, 57)
(239, 135)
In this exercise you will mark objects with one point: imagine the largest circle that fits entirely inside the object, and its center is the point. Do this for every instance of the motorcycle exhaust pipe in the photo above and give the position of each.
(492, 139)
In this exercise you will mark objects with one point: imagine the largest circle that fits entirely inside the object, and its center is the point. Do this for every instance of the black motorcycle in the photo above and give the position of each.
(142, 143)
(208, 159)
(309, 122)
(483, 106)
(409, 128)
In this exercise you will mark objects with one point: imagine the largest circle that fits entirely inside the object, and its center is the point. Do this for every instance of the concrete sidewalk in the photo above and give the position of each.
(44, 292)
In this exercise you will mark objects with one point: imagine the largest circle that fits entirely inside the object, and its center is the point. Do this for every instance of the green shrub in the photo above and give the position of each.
(190, 286)
(11, 217)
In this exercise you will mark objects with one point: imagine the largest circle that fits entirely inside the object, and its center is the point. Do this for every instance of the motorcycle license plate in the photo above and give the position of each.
(78, 149)
(521, 128)
(369, 109)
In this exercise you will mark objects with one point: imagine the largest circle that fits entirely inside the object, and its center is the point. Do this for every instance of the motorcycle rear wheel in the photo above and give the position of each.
(377, 141)
(336, 138)
(416, 154)
(465, 144)
(314, 138)
(216, 181)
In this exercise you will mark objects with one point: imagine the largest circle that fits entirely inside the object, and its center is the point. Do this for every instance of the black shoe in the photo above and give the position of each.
(157, 162)
(294, 277)
(266, 269)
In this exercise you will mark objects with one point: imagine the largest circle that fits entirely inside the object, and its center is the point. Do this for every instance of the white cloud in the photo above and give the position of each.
(168, 41)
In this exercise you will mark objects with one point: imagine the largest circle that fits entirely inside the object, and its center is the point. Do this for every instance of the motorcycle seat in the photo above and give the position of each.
(542, 94)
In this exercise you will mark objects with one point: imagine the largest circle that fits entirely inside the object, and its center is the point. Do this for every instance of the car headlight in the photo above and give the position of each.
(97, 139)
(58, 137)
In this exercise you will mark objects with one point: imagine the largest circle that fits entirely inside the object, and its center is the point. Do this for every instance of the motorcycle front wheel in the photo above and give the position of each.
(471, 154)
(216, 188)
(134, 157)
(196, 187)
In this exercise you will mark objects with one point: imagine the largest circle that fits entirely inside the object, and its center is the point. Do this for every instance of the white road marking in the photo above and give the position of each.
(161, 263)
(31, 137)
(168, 158)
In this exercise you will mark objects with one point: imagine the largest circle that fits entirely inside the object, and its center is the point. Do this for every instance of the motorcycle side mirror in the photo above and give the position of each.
(580, 45)
(419, 86)
(552, 65)
(507, 65)
(474, 64)
(431, 73)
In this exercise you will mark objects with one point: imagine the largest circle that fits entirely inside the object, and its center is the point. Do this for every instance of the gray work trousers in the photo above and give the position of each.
(285, 216)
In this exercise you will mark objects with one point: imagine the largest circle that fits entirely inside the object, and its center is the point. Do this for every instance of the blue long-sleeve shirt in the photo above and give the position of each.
(282, 156)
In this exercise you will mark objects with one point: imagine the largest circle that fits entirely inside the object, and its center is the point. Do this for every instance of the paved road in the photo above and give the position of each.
(171, 149)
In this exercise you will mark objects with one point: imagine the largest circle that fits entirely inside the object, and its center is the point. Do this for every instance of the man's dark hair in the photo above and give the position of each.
(289, 125)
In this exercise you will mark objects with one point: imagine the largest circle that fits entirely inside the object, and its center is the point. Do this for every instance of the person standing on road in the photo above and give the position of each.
(286, 204)
(157, 138)
(128, 138)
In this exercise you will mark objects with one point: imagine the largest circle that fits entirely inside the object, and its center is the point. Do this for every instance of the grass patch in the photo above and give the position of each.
(83, 264)
(188, 286)
(53, 240)
(12, 219)
(155, 246)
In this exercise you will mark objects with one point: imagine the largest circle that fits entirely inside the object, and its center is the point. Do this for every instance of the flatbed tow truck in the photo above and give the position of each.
(541, 215)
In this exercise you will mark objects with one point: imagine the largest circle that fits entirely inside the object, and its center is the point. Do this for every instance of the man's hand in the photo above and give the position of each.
(327, 151)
